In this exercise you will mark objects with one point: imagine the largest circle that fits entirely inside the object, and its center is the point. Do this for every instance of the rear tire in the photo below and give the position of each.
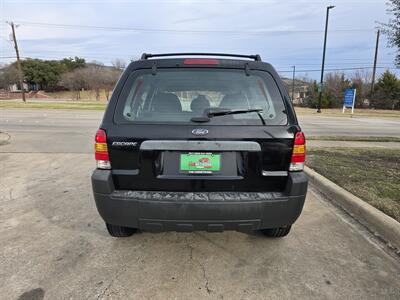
(277, 232)
(120, 231)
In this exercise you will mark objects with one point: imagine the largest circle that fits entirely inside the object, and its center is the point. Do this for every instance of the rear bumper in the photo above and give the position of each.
(210, 211)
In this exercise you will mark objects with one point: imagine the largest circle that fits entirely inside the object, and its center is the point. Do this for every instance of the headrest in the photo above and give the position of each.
(166, 102)
(233, 101)
(199, 104)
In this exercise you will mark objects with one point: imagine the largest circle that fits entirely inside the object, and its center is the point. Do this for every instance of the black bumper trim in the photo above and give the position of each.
(211, 211)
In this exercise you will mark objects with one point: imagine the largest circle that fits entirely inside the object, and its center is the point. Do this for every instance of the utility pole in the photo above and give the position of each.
(294, 74)
(20, 75)
(375, 61)
(323, 58)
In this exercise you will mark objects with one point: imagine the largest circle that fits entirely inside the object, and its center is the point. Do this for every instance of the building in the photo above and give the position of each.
(301, 89)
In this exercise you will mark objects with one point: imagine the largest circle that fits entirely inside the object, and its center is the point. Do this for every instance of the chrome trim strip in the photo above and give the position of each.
(274, 173)
(200, 145)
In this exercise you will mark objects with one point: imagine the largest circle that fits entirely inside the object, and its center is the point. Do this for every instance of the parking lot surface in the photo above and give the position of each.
(54, 245)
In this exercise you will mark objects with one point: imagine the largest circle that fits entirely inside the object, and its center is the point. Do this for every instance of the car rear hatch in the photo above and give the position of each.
(200, 129)
(157, 162)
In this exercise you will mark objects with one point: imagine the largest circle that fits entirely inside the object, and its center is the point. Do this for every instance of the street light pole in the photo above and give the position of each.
(323, 59)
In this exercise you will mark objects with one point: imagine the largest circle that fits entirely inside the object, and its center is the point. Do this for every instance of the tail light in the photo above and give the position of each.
(101, 150)
(197, 61)
(299, 152)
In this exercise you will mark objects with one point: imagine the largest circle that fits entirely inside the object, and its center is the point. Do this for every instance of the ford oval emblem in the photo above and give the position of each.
(199, 131)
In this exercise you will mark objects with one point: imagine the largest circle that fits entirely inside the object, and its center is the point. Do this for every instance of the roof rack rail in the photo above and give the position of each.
(256, 57)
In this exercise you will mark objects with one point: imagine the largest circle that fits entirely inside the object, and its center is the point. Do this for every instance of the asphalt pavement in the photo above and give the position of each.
(54, 245)
(72, 131)
(320, 125)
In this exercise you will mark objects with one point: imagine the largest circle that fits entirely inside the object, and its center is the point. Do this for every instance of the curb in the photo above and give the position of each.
(375, 220)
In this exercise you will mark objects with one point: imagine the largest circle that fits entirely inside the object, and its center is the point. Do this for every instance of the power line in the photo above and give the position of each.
(338, 69)
(297, 70)
(155, 30)
(345, 60)
(113, 53)
(290, 62)
(307, 62)
(332, 67)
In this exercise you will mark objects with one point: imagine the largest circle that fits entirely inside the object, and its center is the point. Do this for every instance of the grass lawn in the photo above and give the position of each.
(87, 95)
(54, 105)
(354, 138)
(373, 174)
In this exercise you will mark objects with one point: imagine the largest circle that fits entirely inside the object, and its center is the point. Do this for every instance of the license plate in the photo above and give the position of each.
(200, 163)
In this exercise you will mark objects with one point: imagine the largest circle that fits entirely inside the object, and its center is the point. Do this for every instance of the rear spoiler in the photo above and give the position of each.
(255, 57)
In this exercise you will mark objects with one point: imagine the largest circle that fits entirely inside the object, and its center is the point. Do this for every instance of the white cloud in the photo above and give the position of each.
(281, 48)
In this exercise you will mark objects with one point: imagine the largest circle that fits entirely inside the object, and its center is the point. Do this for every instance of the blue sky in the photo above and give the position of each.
(285, 32)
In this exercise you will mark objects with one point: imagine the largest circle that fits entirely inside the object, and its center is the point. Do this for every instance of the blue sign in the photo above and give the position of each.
(349, 98)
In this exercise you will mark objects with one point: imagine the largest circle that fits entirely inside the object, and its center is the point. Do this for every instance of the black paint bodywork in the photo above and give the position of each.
(135, 170)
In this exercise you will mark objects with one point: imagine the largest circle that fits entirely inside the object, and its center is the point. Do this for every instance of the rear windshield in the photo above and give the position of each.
(182, 95)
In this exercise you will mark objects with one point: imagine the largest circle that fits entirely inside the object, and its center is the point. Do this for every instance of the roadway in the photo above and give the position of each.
(72, 130)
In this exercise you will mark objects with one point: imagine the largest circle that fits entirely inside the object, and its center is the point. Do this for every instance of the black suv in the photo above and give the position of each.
(199, 144)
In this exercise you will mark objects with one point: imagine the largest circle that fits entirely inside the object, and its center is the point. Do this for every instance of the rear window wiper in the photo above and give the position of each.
(208, 115)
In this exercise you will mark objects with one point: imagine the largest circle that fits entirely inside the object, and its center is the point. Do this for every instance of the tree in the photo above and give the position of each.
(100, 77)
(361, 80)
(334, 86)
(110, 79)
(311, 92)
(44, 74)
(94, 75)
(312, 96)
(392, 28)
(73, 63)
(118, 64)
(8, 76)
(387, 92)
(75, 81)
